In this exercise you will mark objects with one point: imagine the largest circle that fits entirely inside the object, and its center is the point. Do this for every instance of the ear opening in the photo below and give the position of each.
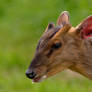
(63, 19)
(50, 26)
(85, 28)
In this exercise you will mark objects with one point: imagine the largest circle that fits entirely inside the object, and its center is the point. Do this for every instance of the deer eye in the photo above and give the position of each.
(56, 45)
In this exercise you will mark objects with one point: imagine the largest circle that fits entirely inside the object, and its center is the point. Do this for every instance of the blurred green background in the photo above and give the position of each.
(22, 22)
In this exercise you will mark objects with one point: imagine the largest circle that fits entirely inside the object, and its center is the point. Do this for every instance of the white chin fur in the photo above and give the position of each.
(41, 79)
(32, 81)
(44, 76)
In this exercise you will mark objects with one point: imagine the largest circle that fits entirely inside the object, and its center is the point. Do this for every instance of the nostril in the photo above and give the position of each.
(30, 75)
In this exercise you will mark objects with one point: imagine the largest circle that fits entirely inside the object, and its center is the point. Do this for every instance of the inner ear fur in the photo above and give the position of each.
(63, 19)
(84, 27)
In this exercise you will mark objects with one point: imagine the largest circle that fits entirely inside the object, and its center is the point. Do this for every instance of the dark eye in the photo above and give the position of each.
(56, 45)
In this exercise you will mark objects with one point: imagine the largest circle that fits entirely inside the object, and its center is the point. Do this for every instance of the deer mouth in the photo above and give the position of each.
(50, 72)
(39, 78)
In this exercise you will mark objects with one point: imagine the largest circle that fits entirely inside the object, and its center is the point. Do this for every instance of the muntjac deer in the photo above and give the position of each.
(63, 47)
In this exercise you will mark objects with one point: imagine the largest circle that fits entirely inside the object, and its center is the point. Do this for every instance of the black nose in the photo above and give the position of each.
(30, 74)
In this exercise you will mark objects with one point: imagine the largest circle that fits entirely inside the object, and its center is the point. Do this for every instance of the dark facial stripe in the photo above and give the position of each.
(55, 31)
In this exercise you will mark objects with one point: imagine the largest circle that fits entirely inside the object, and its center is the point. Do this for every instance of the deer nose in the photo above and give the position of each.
(30, 74)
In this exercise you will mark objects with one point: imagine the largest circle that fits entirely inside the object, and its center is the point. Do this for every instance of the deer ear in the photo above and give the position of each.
(50, 26)
(63, 19)
(84, 29)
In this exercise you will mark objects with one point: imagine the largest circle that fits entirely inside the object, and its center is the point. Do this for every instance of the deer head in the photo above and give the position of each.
(59, 48)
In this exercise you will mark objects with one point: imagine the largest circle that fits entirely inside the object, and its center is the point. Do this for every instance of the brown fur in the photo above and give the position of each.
(75, 52)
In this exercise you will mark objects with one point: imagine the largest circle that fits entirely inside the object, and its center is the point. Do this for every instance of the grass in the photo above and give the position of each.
(15, 81)
(22, 22)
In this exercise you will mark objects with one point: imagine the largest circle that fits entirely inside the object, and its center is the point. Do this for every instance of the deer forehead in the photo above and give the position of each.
(53, 35)
(47, 36)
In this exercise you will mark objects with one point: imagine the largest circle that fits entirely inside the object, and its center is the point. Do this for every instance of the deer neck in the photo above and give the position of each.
(84, 65)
